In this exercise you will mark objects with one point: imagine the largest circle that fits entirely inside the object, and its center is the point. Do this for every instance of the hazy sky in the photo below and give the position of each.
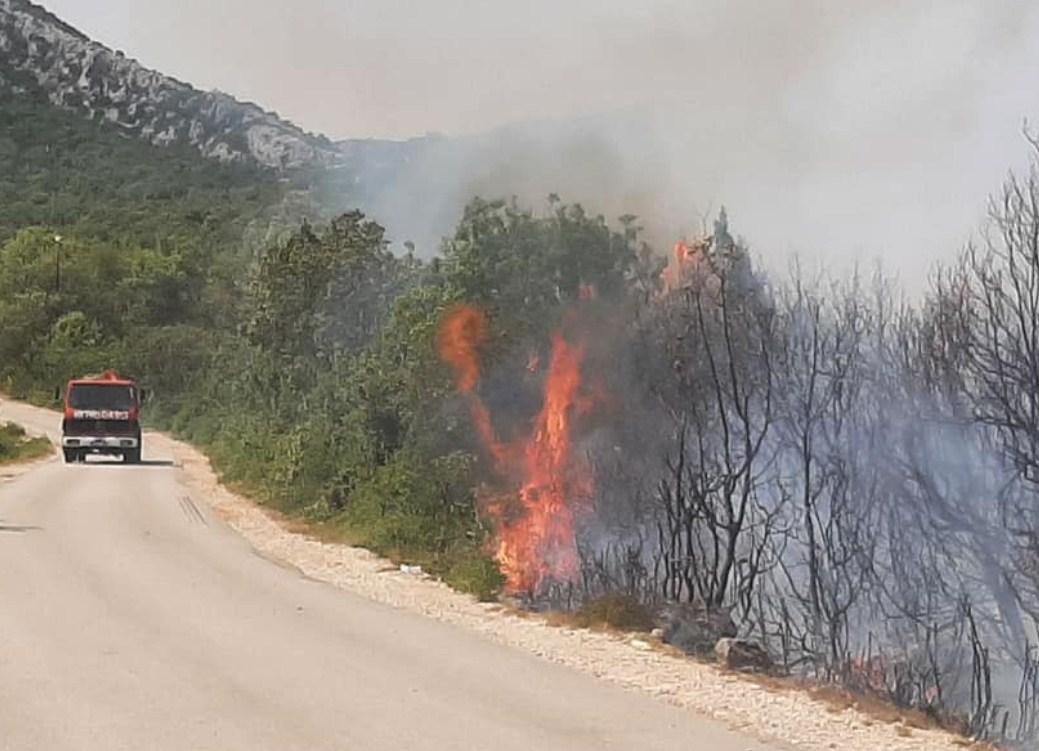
(841, 130)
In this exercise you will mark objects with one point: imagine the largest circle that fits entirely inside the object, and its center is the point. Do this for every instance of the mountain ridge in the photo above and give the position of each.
(42, 53)
(415, 187)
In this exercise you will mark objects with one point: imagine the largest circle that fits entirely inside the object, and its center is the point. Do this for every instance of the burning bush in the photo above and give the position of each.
(534, 524)
(807, 460)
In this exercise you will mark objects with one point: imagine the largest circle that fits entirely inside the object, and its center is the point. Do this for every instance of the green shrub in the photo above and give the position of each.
(471, 571)
(16, 445)
(614, 611)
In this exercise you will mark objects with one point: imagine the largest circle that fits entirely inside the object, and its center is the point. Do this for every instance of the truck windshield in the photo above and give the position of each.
(98, 396)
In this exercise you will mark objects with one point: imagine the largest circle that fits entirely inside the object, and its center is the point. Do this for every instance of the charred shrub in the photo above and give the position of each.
(614, 611)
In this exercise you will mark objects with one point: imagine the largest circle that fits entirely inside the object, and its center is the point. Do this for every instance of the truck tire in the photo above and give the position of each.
(71, 455)
(132, 456)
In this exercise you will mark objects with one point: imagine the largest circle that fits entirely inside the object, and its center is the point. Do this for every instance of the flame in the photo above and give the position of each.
(534, 542)
(683, 264)
(462, 331)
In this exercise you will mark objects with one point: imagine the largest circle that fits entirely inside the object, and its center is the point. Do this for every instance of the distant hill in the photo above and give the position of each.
(85, 177)
(39, 52)
(79, 91)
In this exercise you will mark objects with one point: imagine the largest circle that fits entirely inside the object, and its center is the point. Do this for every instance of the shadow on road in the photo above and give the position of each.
(120, 463)
(18, 528)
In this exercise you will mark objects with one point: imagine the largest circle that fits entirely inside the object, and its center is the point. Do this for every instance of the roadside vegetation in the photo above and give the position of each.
(848, 478)
(16, 446)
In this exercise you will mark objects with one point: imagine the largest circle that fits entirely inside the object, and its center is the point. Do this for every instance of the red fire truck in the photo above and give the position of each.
(102, 416)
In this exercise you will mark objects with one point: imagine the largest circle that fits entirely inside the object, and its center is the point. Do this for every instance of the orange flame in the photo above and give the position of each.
(535, 542)
(684, 262)
(462, 331)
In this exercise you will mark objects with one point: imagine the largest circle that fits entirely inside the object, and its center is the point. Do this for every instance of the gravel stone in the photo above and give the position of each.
(785, 715)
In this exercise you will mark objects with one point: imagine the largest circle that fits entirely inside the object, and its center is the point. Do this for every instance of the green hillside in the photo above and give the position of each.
(62, 171)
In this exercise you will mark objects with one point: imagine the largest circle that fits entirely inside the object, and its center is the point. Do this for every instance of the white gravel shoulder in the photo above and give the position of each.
(789, 716)
(785, 715)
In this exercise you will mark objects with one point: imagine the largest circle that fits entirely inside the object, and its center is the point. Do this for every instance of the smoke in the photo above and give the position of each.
(794, 451)
(839, 135)
(837, 131)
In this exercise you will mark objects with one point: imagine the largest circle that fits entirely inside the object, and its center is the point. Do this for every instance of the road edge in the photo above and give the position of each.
(18, 467)
(770, 711)
(766, 710)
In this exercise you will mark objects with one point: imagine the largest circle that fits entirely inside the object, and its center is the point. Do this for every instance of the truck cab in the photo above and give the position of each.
(102, 416)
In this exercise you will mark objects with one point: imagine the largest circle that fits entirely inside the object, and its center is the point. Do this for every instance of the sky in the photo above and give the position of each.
(843, 132)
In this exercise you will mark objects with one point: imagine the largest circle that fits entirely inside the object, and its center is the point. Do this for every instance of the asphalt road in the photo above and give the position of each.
(131, 618)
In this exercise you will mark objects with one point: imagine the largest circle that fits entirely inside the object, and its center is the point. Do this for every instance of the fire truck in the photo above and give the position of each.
(102, 416)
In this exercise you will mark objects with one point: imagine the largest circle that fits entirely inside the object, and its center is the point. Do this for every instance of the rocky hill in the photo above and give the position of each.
(416, 188)
(39, 52)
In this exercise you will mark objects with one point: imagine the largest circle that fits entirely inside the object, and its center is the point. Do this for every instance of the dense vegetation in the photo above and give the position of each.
(309, 374)
(849, 477)
(87, 179)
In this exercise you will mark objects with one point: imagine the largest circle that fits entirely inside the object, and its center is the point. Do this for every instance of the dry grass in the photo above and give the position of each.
(609, 613)
(17, 447)
(785, 711)
(873, 707)
(626, 619)
(835, 699)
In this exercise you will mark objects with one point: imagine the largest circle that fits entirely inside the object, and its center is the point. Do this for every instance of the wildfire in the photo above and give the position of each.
(538, 543)
(683, 264)
(535, 541)
(462, 332)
